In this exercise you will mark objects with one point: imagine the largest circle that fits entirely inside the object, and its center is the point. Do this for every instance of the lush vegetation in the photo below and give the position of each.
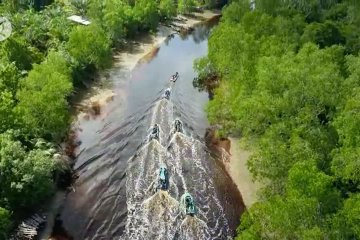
(40, 64)
(290, 81)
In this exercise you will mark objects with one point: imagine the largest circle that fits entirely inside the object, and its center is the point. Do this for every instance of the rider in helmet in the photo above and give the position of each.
(188, 204)
(155, 132)
(167, 93)
(174, 77)
(163, 182)
(178, 126)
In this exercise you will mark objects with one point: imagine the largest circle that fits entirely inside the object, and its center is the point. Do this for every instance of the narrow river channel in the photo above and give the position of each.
(117, 164)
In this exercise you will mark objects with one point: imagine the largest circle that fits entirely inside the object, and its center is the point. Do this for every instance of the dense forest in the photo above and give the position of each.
(288, 76)
(46, 58)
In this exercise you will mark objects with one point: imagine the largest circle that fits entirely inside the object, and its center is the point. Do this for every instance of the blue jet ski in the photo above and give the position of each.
(187, 204)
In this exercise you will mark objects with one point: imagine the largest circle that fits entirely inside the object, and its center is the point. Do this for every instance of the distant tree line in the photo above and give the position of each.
(289, 85)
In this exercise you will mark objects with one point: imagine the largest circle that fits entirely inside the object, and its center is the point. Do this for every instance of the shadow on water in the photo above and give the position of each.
(116, 165)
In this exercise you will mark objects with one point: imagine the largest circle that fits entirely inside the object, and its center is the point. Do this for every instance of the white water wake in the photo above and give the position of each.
(157, 215)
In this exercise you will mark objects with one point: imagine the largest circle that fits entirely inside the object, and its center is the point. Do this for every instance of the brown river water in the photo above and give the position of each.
(117, 164)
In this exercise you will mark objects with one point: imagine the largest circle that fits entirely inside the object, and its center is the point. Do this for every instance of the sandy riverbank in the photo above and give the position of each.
(189, 21)
(234, 157)
(101, 92)
(240, 174)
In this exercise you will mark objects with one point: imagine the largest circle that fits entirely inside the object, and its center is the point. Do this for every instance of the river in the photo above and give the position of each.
(116, 163)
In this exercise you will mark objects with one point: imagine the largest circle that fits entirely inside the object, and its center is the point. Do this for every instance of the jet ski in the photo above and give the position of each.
(174, 77)
(187, 204)
(163, 179)
(155, 133)
(167, 93)
(178, 126)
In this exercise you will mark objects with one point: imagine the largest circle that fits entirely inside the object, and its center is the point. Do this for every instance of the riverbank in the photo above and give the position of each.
(188, 21)
(91, 104)
(234, 159)
(240, 174)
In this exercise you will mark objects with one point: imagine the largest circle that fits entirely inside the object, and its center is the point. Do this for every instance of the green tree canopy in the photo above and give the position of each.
(9, 76)
(42, 106)
(282, 218)
(167, 8)
(5, 223)
(23, 174)
(115, 18)
(7, 104)
(346, 223)
(288, 75)
(90, 45)
(346, 163)
(185, 6)
(146, 13)
(18, 51)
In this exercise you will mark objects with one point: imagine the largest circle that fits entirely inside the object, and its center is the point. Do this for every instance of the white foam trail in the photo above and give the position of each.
(177, 164)
(154, 115)
(157, 216)
(140, 175)
(191, 157)
(163, 115)
(193, 228)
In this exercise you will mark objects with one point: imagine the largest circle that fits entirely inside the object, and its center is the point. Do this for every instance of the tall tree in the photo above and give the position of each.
(42, 107)
(90, 45)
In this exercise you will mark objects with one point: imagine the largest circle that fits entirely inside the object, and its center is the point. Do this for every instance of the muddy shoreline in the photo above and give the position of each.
(234, 158)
